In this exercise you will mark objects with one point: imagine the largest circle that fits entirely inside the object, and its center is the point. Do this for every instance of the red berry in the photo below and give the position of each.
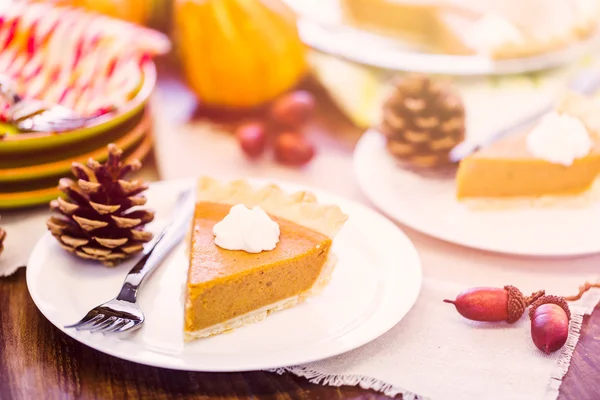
(293, 110)
(253, 138)
(293, 149)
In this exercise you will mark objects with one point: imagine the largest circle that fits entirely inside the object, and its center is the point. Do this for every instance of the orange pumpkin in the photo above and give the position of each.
(239, 53)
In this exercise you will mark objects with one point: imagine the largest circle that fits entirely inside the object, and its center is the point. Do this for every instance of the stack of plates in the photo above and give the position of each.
(32, 163)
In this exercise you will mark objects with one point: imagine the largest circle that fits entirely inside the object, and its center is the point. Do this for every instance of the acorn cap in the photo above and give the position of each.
(558, 300)
(516, 304)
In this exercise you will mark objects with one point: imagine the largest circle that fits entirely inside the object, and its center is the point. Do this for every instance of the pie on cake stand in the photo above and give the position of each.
(457, 37)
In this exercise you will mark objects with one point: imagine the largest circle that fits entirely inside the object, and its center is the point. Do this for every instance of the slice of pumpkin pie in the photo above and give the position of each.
(560, 156)
(252, 252)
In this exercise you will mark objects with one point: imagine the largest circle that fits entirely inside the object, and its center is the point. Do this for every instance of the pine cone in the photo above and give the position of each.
(423, 120)
(2, 237)
(97, 220)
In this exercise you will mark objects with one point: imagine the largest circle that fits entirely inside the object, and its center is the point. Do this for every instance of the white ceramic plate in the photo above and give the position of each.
(322, 28)
(375, 283)
(429, 205)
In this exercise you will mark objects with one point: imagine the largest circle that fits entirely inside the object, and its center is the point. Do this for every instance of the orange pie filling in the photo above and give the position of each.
(507, 169)
(225, 284)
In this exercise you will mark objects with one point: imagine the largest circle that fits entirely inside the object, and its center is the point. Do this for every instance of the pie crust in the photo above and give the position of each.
(300, 207)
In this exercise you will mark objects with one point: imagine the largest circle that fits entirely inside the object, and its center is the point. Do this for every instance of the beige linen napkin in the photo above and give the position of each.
(437, 354)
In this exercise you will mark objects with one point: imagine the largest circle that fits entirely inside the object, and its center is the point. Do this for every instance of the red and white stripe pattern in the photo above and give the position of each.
(85, 61)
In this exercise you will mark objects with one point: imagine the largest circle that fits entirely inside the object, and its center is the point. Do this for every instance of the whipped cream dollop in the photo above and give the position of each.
(492, 32)
(559, 139)
(250, 230)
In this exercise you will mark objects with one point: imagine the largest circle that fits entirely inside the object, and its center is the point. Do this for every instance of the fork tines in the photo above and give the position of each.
(102, 323)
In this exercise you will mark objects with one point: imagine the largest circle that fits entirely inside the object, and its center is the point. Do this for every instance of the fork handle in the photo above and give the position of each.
(141, 269)
(155, 253)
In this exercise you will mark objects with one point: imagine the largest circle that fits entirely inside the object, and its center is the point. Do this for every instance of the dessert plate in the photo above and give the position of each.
(428, 204)
(321, 27)
(376, 282)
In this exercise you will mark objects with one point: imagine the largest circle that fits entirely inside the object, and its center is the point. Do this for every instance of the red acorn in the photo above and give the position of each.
(493, 304)
(550, 316)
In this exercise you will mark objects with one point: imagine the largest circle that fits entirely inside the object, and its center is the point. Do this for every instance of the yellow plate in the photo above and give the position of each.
(62, 167)
(28, 142)
(41, 196)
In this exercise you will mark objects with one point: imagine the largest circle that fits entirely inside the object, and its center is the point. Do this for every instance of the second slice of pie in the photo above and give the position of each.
(557, 159)
(227, 289)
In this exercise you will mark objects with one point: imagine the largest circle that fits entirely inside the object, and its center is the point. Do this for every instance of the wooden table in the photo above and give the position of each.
(37, 361)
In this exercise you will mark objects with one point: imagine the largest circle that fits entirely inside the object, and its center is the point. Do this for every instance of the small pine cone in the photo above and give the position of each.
(2, 237)
(423, 120)
(101, 217)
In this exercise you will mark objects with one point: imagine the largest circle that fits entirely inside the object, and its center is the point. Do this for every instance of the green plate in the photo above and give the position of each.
(39, 157)
(42, 192)
(125, 137)
(31, 142)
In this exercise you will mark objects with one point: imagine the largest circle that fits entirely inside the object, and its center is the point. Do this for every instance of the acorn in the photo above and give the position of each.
(493, 304)
(550, 316)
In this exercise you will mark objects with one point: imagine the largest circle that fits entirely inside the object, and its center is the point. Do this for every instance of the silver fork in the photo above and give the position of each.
(38, 116)
(123, 313)
(30, 115)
